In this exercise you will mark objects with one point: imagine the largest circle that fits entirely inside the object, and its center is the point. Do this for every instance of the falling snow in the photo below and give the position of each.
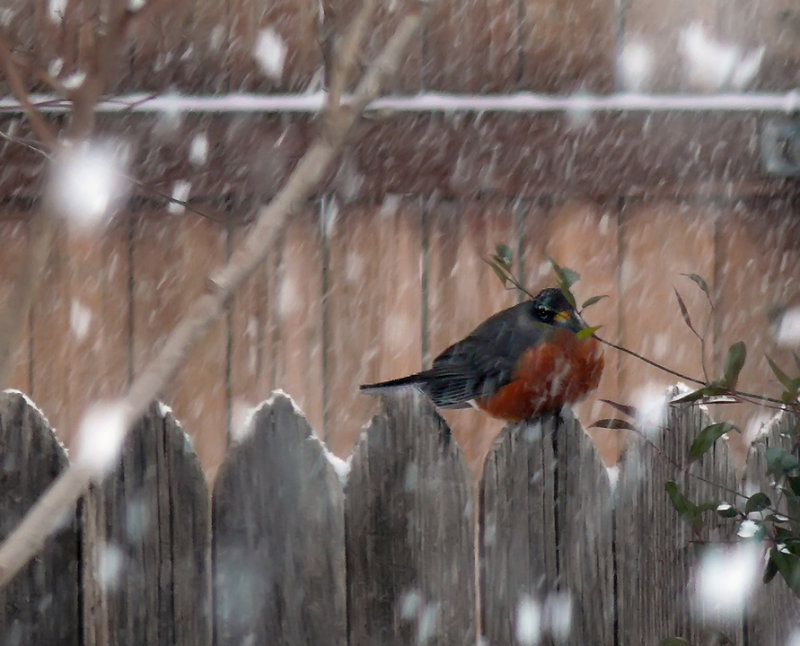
(527, 627)
(270, 53)
(100, 436)
(198, 150)
(635, 66)
(713, 65)
(180, 193)
(80, 319)
(87, 183)
(726, 578)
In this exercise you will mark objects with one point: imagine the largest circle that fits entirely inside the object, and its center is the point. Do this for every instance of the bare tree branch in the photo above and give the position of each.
(44, 518)
(347, 54)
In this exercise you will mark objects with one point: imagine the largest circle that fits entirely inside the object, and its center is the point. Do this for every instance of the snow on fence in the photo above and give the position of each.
(286, 553)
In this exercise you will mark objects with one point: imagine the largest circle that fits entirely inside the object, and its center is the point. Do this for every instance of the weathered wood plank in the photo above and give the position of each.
(373, 308)
(81, 324)
(655, 558)
(547, 572)
(568, 46)
(278, 536)
(756, 256)
(462, 292)
(265, 34)
(773, 615)
(409, 531)
(584, 235)
(41, 605)
(473, 47)
(14, 234)
(147, 543)
(276, 324)
(172, 257)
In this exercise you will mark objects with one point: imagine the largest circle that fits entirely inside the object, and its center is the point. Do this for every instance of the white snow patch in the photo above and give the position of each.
(270, 53)
(635, 66)
(528, 625)
(788, 329)
(198, 150)
(747, 529)
(279, 392)
(289, 300)
(726, 579)
(409, 602)
(613, 476)
(101, 433)
(109, 566)
(558, 615)
(341, 467)
(180, 192)
(135, 5)
(164, 410)
(74, 80)
(87, 183)
(55, 66)
(426, 628)
(651, 402)
(242, 426)
(712, 65)
(80, 319)
(724, 506)
(56, 9)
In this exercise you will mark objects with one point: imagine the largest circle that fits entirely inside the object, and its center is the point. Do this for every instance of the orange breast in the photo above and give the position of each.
(550, 375)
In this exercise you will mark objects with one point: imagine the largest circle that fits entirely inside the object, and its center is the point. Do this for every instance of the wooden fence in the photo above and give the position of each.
(287, 554)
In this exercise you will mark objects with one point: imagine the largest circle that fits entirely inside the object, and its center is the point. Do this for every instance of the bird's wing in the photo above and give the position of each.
(485, 361)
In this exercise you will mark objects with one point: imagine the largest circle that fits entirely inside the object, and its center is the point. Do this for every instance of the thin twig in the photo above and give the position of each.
(347, 54)
(41, 520)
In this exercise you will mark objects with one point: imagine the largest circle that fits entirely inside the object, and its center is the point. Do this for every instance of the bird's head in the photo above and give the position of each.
(551, 307)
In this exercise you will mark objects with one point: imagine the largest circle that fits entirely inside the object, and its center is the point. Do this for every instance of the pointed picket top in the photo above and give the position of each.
(278, 535)
(40, 605)
(146, 542)
(410, 530)
(546, 536)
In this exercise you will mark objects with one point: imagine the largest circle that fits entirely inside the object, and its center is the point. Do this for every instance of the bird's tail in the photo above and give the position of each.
(383, 386)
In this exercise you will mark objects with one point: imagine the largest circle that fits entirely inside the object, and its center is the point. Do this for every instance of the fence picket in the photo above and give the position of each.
(774, 612)
(547, 562)
(409, 531)
(278, 536)
(146, 543)
(655, 557)
(40, 606)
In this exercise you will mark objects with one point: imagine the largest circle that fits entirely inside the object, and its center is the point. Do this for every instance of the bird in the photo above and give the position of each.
(522, 362)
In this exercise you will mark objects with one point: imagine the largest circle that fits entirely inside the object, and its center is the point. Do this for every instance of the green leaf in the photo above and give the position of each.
(630, 411)
(685, 312)
(499, 272)
(789, 567)
(591, 301)
(616, 424)
(702, 284)
(780, 374)
(757, 502)
(725, 510)
(770, 570)
(586, 332)
(685, 507)
(503, 254)
(674, 641)
(734, 362)
(780, 462)
(706, 391)
(706, 438)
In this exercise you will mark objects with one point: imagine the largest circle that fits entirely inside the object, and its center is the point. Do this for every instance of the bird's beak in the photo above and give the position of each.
(571, 320)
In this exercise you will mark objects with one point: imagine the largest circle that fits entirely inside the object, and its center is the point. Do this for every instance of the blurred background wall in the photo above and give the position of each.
(383, 270)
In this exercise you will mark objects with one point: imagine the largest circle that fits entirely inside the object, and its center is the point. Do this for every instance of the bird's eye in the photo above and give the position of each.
(544, 313)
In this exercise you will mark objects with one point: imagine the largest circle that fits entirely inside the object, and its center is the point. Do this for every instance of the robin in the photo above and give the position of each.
(519, 363)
